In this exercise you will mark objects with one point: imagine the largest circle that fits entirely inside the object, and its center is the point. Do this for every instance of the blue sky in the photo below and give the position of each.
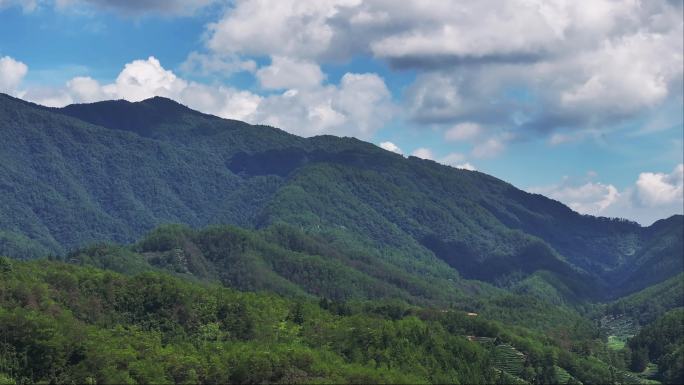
(582, 103)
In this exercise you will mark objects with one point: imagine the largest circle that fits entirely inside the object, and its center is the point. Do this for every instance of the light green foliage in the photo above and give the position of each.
(87, 325)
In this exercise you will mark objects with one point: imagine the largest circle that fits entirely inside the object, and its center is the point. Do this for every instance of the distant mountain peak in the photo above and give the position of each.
(140, 117)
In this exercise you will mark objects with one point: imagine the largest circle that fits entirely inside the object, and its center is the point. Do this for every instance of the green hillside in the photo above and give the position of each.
(62, 323)
(648, 304)
(662, 343)
(289, 262)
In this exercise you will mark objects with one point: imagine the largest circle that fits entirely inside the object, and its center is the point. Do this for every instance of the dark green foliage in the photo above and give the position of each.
(647, 305)
(661, 342)
(287, 261)
(639, 359)
(656, 261)
(112, 171)
(6, 265)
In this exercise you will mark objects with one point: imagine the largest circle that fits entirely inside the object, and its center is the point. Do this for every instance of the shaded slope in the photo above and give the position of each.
(660, 257)
(64, 182)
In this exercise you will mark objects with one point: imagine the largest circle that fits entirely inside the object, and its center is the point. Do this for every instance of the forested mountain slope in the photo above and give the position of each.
(67, 324)
(115, 170)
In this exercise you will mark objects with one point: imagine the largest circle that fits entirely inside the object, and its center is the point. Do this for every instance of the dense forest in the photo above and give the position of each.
(64, 323)
(167, 310)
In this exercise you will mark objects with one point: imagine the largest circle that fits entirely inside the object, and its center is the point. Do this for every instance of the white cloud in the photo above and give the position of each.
(285, 27)
(11, 74)
(490, 148)
(357, 106)
(216, 64)
(143, 79)
(462, 29)
(435, 98)
(625, 74)
(85, 90)
(452, 159)
(463, 131)
(389, 146)
(50, 97)
(466, 166)
(226, 102)
(580, 65)
(540, 68)
(140, 7)
(588, 198)
(288, 73)
(423, 153)
(26, 5)
(659, 189)
(653, 196)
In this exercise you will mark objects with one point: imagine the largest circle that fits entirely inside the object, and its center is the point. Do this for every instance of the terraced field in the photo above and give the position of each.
(509, 359)
(615, 342)
(562, 376)
(619, 325)
(506, 378)
(631, 378)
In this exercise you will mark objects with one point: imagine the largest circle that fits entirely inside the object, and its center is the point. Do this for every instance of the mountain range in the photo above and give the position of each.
(115, 170)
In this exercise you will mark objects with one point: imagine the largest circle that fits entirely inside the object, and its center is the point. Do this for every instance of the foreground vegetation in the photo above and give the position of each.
(65, 323)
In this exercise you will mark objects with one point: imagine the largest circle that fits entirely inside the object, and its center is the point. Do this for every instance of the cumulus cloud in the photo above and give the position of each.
(660, 189)
(357, 106)
(50, 97)
(453, 159)
(11, 74)
(653, 196)
(290, 74)
(389, 146)
(423, 153)
(538, 67)
(625, 74)
(588, 198)
(534, 68)
(26, 5)
(226, 102)
(143, 79)
(85, 90)
(491, 147)
(463, 131)
(223, 65)
(435, 98)
(466, 166)
(581, 65)
(292, 28)
(139, 7)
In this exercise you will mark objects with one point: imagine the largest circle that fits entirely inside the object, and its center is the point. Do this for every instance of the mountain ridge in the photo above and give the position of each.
(124, 176)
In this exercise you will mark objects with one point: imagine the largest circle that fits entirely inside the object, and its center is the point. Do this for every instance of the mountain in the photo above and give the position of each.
(646, 305)
(662, 343)
(114, 170)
